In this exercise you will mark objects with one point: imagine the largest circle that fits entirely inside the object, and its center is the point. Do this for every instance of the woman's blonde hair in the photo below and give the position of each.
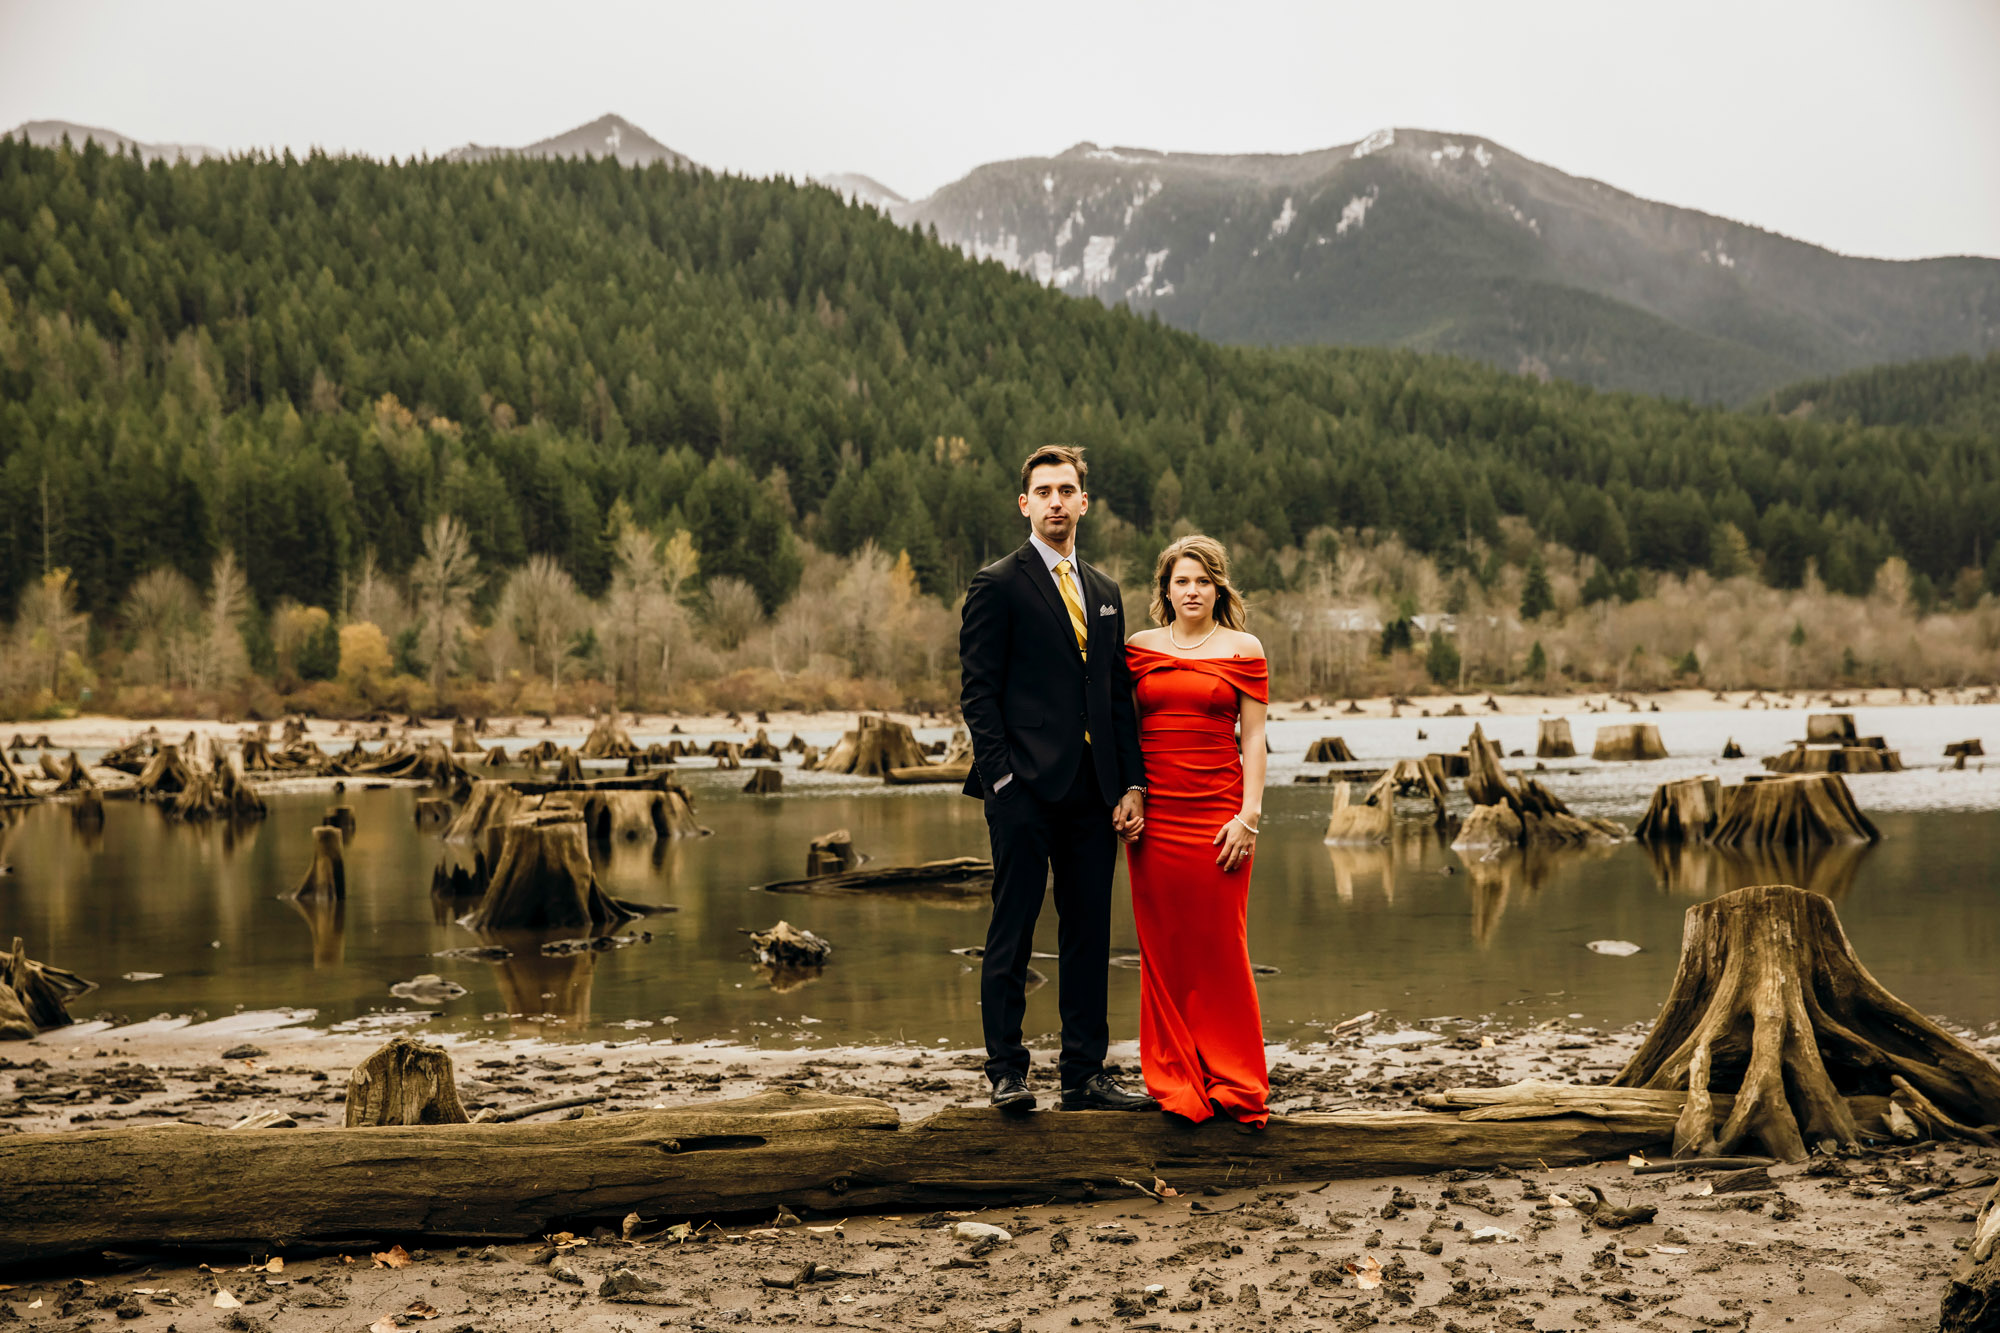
(1230, 612)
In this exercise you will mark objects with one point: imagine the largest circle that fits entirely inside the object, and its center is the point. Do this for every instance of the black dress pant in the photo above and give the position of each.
(1031, 837)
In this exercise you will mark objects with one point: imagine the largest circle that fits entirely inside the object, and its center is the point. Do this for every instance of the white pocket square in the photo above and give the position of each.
(1106, 610)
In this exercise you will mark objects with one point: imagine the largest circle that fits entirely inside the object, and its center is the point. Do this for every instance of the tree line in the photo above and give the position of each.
(305, 363)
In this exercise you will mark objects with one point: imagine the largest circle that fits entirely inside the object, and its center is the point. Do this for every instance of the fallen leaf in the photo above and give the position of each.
(224, 1301)
(421, 1310)
(679, 1231)
(1559, 1200)
(1165, 1190)
(394, 1257)
(1668, 1249)
(277, 1265)
(386, 1324)
(823, 1230)
(630, 1225)
(560, 1238)
(347, 1258)
(1494, 1235)
(1636, 1159)
(1367, 1273)
(1705, 1190)
(35, 1304)
(1485, 1041)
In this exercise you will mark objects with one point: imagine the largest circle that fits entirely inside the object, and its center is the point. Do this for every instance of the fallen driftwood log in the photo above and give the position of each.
(34, 997)
(1771, 1004)
(1628, 741)
(1552, 739)
(961, 876)
(130, 1188)
(1329, 750)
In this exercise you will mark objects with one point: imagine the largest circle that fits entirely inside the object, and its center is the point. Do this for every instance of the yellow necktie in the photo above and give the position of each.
(1075, 605)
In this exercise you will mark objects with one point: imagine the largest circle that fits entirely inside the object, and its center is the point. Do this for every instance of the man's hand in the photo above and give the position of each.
(1129, 818)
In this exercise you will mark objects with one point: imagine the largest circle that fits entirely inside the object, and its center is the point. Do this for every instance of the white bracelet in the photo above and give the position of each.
(1238, 819)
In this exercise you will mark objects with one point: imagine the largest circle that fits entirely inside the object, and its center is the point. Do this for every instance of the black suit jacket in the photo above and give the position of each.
(1028, 696)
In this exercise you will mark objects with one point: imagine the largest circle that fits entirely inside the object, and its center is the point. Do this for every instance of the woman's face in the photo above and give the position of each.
(1190, 591)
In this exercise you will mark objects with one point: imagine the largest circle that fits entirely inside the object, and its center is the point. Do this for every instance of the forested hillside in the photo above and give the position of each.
(1959, 393)
(304, 361)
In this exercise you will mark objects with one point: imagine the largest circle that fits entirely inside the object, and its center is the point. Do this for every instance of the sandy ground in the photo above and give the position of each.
(1860, 1243)
(95, 730)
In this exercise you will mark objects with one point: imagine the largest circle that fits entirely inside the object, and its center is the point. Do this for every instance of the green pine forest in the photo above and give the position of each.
(301, 364)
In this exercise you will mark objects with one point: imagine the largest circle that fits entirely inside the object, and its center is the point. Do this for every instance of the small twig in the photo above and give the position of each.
(1137, 1186)
(1702, 1164)
(536, 1108)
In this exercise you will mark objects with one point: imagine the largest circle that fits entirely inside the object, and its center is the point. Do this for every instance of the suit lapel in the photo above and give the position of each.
(1044, 580)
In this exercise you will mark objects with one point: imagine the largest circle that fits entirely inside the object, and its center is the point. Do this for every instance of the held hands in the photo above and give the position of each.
(1237, 840)
(1129, 816)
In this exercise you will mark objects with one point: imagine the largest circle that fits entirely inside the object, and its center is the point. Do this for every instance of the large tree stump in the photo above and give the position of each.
(1329, 750)
(1809, 808)
(1831, 729)
(1865, 758)
(326, 877)
(165, 774)
(831, 854)
(569, 768)
(1681, 811)
(1519, 811)
(1628, 741)
(1552, 739)
(1371, 819)
(407, 1082)
(1771, 1004)
(1972, 1301)
(35, 994)
(765, 782)
(875, 746)
(542, 879)
(608, 740)
(640, 816)
(762, 749)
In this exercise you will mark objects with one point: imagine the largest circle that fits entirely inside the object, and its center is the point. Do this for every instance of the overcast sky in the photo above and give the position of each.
(1869, 127)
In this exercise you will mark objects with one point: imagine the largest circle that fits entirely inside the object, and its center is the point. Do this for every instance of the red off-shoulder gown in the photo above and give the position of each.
(1201, 1037)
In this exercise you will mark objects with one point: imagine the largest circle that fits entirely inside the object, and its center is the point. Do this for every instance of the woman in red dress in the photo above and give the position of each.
(1201, 1037)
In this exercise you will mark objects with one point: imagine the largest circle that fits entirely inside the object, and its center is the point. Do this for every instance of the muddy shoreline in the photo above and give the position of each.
(1861, 1243)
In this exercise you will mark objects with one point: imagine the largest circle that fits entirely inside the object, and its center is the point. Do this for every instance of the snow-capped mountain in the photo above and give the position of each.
(51, 133)
(862, 189)
(1452, 243)
(607, 136)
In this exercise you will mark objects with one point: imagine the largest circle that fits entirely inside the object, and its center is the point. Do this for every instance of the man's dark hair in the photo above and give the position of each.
(1056, 455)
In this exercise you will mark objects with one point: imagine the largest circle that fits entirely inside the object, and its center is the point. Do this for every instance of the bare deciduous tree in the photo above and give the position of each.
(442, 582)
(542, 606)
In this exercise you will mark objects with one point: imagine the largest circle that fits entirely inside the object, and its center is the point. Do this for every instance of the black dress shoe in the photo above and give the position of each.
(1011, 1094)
(1100, 1092)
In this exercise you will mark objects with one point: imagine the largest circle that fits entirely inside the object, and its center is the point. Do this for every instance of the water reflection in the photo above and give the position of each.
(540, 991)
(1502, 876)
(1414, 846)
(1703, 872)
(326, 918)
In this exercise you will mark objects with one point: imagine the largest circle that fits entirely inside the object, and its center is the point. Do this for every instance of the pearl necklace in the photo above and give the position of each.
(1190, 647)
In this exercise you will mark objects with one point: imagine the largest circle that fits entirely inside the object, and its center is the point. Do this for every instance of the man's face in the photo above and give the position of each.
(1054, 503)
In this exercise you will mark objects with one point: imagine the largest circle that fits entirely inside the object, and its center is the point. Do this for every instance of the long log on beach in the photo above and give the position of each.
(188, 1185)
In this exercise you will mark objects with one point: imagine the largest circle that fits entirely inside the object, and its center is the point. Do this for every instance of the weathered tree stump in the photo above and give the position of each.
(796, 745)
(761, 748)
(875, 746)
(785, 945)
(1809, 808)
(1628, 741)
(407, 1082)
(1731, 750)
(570, 767)
(464, 740)
(1682, 811)
(165, 774)
(326, 877)
(608, 740)
(35, 995)
(432, 811)
(1329, 750)
(1831, 729)
(765, 782)
(1972, 1301)
(643, 815)
(1518, 811)
(542, 879)
(1552, 739)
(831, 854)
(13, 786)
(1371, 819)
(1771, 1004)
(809, 758)
(1963, 749)
(340, 817)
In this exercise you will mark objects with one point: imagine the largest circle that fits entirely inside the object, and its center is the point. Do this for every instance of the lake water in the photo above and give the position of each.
(1410, 929)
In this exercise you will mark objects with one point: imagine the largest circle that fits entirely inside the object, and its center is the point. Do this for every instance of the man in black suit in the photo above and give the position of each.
(1055, 746)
